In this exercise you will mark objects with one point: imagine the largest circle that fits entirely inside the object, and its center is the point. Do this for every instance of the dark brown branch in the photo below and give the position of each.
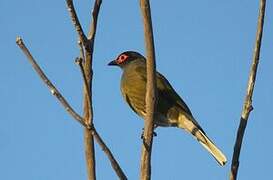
(247, 107)
(150, 91)
(69, 109)
(54, 91)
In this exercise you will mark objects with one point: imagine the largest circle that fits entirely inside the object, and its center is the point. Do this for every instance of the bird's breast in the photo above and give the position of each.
(133, 89)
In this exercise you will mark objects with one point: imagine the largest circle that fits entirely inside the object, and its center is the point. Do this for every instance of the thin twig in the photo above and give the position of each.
(54, 91)
(79, 61)
(69, 109)
(110, 156)
(150, 92)
(247, 107)
(93, 25)
(76, 22)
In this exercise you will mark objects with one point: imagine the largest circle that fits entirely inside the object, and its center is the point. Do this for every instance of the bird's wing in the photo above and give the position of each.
(169, 102)
(166, 90)
(135, 97)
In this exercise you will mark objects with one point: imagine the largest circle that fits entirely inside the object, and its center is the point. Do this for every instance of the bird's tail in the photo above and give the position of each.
(190, 125)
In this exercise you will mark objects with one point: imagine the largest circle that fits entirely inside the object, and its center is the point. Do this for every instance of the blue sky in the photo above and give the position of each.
(204, 48)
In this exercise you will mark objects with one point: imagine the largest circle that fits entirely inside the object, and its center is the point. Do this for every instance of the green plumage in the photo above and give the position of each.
(170, 109)
(133, 88)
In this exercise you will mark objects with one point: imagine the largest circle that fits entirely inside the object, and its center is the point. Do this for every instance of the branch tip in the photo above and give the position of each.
(19, 40)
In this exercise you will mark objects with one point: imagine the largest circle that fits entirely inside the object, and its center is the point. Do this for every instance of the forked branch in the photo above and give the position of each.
(54, 91)
(76, 21)
(69, 109)
(86, 51)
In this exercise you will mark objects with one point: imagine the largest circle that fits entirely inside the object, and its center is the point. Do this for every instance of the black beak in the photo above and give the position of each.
(112, 63)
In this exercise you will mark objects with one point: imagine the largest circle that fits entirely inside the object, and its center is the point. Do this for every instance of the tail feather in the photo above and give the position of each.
(191, 125)
(212, 149)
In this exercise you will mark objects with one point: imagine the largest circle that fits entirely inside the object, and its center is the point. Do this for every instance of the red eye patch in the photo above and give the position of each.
(122, 58)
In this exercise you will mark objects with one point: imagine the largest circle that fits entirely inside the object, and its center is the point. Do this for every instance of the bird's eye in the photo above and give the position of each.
(122, 58)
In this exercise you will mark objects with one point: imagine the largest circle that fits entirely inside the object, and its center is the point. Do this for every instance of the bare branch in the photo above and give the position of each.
(247, 107)
(90, 154)
(110, 156)
(75, 21)
(80, 63)
(93, 25)
(150, 91)
(87, 73)
(87, 54)
(54, 91)
(65, 104)
(88, 108)
(87, 66)
(86, 86)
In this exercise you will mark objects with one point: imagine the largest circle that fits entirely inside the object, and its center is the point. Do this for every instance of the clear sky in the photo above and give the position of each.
(204, 48)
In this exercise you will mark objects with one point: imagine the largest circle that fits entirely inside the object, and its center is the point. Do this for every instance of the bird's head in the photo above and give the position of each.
(126, 58)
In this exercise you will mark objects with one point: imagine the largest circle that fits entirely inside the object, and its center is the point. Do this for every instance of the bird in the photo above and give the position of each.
(170, 109)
